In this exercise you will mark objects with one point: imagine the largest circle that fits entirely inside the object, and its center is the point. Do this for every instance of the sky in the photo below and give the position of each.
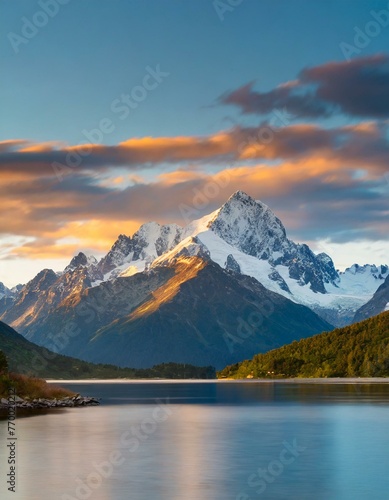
(118, 113)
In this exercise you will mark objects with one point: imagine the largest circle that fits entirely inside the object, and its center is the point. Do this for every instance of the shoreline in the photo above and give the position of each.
(46, 403)
(339, 380)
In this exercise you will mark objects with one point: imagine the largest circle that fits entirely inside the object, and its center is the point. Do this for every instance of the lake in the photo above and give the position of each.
(208, 440)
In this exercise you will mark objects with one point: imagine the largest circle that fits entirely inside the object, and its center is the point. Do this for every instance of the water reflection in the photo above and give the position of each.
(217, 442)
(234, 392)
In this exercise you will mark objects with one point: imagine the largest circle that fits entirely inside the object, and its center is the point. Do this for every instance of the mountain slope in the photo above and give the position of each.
(75, 319)
(359, 350)
(377, 304)
(42, 294)
(202, 315)
(190, 311)
(30, 359)
(4, 291)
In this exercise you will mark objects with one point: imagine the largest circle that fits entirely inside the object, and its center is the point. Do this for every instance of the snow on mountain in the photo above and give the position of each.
(4, 291)
(88, 264)
(120, 253)
(250, 226)
(81, 260)
(131, 255)
(16, 289)
(243, 236)
(363, 279)
(246, 232)
(153, 240)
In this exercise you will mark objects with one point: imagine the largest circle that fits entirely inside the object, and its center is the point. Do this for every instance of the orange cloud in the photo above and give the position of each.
(42, 147)
(363, 144)
(93, 235)
(324, 170)
(41, 251)
(178, 176)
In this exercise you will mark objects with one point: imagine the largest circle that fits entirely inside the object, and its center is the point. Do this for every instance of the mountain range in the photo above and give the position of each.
(217, 291)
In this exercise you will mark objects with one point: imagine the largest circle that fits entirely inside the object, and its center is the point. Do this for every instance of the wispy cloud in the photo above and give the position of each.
(366, 142)
(357, 88)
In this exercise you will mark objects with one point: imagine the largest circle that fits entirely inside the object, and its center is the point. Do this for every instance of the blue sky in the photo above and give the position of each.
(65, 78)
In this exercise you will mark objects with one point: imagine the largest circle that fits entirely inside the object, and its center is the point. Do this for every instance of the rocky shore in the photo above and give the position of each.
(68, 402)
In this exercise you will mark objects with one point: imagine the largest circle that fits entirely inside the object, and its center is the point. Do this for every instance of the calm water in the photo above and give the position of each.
(208, 441)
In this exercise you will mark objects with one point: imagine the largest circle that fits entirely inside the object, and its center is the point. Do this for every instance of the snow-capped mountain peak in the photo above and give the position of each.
(81, 260)
(121, 252)
(246, 226)
(152, 240)
(130, 255)
(378, 272)
(250, 226)
(364, 279)
(4, 291)
(243, 236)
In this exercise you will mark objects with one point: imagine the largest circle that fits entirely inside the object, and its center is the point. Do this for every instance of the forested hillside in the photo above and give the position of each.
(358, 350)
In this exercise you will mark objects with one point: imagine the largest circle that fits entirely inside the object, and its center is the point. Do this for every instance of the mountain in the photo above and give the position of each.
(246, 232)
(358, 350)
(9, 292)
(243, 235)
(202, 314)
(4, 291)
(135, 254)
(7, 297)
(190, 311)
(252, 228)
(30, 359)
(243, 238)
(377, 304)
(43, 293)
